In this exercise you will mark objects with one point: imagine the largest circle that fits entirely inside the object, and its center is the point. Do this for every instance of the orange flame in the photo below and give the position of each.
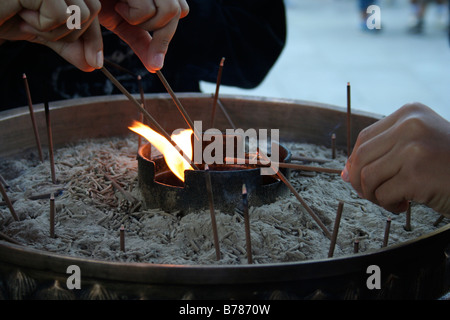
(175, 161)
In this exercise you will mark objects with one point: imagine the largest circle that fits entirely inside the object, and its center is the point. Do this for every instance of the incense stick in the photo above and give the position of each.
(52, 215)
(8, 202)
(216, 95)
(122, 238)
(33, 120)
(50, 142)
(438, 220)
(293, 166)
(299, 198)
(136, 103)
(225, 112)
(407, 225)
(356, 246)
(119, 67)
(141, 116)
(212, 211)
(8, 238)
(248, 239)
(349, 121)
(386, 232)
(308, 159)
(178, 104)
(333, 146)
(336, 229)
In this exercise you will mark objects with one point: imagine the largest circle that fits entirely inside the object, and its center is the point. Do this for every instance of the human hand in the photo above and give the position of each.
(132, 20)
(44, 22)
(403, 157)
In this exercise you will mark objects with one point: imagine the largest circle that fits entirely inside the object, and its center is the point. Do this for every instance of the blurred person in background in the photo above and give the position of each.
(419, 9)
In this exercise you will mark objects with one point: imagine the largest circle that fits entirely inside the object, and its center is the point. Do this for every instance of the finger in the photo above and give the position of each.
(184, 8)
(160, 45)
(138, 39)
(72, 52)
(166, 11)
(44, 15)
(391, 194)
(136, 12)
(379, 171)
(366, 154)
(9, 9)
(93, 45)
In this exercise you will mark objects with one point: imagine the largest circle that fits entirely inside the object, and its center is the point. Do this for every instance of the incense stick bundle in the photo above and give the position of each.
(299, 198)
(212, 211)
(33, 119)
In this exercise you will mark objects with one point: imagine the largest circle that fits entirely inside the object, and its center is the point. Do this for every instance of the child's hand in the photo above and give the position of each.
(405, 156)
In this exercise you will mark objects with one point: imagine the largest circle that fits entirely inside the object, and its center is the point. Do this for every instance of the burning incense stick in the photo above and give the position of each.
(349, 121)
(216, 96)
(297, 195)
(333, 146)
(122, 238)
(248, 239)
(178, 104)
(52, 215)
(293, 166)
(386, 232)
(407, 226)
(33, 120)
(336, 229)
(147, 115)
(50, 142)
(8, 202)
(212, 211)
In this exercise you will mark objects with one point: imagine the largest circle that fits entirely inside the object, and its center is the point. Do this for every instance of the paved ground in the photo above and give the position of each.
(326, 49)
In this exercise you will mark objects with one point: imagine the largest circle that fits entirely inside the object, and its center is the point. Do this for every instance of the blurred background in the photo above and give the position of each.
(327, 47)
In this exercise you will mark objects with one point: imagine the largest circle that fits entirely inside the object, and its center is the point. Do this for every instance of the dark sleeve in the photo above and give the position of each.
(249, 34)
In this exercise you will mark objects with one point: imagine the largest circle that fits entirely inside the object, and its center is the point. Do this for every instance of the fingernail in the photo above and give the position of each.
(344, 175)
(157, 61)
(99, 59)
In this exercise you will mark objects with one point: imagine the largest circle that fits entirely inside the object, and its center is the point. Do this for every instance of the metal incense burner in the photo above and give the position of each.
(415, 269)
(160, 188)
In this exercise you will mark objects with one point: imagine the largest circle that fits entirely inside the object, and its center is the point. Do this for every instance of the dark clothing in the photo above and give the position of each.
(249, 34)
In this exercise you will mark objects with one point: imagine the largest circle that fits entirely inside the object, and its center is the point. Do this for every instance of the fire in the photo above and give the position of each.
(175, 161)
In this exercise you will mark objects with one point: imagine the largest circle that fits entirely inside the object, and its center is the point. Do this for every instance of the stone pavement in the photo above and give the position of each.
(326, 49)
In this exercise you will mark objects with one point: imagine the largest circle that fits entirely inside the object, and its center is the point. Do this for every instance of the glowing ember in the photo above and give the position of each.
(175, 161)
